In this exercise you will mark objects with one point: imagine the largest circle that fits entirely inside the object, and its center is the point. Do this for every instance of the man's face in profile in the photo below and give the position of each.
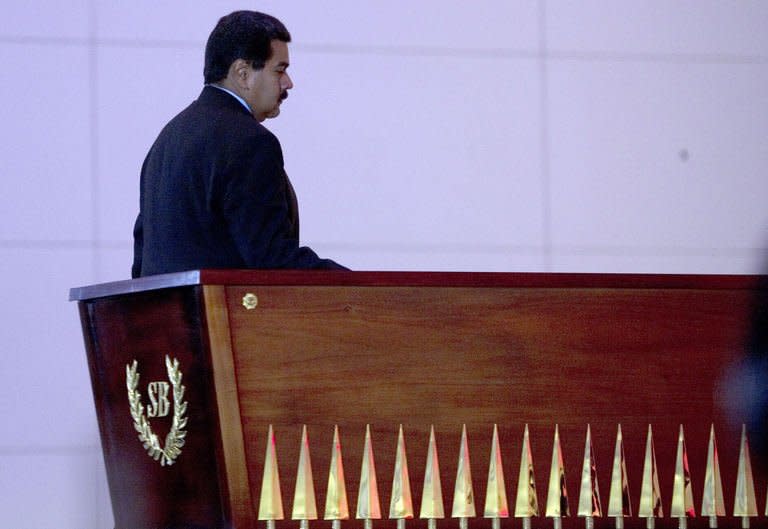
(269, 86)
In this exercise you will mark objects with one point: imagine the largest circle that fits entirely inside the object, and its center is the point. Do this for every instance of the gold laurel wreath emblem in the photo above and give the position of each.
(175, 439)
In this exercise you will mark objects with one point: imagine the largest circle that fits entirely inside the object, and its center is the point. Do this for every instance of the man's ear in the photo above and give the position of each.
(238, 71)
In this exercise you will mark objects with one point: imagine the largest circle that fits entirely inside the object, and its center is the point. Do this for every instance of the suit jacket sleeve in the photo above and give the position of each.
(255, 206)
(138, 246)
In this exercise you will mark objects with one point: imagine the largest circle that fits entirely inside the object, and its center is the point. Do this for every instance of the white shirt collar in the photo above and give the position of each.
(230, 92)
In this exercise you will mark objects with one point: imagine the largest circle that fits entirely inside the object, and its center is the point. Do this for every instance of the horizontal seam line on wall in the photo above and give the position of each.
(7, 451)
(421, 51)
(536, 249)
(674, 58)
(418, 51)
(657, 251)
(64, 244)
(522, 249)
(46, 244)
(427, 248)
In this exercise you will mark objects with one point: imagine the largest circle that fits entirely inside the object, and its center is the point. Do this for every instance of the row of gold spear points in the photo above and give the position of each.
(496, 506)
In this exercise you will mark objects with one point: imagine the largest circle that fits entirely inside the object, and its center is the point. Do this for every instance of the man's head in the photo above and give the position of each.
(247, 53)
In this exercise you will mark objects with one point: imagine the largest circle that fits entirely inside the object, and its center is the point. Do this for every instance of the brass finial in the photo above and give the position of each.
(432, 495)
(271, 502)
(589, 492)
(527, 503)
(463, 494)
(304, 505)
(682, 491)
(557, 495)
(619, 505)
(744, 504)
(401, 504)
(336, 506)
(650, 493)
(712, 503)
(368, 507)
(496, 506)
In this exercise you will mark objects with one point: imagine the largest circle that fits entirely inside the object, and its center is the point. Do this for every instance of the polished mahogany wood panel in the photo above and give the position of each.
(417, 349)
(147, 327)
(235, 473)
(448, 356)
(433, 279)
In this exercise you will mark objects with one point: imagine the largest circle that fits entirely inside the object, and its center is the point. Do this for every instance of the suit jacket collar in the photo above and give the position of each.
(212, 96)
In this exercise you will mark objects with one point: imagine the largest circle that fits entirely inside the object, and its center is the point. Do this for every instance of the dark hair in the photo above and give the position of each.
(244, 35)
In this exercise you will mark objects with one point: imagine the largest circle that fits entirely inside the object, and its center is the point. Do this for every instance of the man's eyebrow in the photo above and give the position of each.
(283, 64)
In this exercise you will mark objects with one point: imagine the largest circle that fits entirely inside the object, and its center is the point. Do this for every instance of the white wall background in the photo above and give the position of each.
(494, 135)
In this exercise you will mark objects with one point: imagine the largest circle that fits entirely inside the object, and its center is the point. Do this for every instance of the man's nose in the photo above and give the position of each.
(287, 82)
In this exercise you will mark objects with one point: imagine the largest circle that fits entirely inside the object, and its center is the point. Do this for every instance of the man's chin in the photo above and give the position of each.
(273, 113)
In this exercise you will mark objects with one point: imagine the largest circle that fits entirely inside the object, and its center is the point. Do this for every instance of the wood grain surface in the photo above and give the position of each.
(146, 327)
(414, 349)
(421, 356)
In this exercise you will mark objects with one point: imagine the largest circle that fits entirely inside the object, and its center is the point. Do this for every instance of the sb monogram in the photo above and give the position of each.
(158, 399)
(159, 406)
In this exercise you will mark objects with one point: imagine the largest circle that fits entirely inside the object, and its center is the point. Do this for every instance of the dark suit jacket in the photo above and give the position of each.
(214, 195)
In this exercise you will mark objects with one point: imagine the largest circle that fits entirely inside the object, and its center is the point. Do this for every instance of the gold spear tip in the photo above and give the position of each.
(304, 505)
(368, 506)
(463, 494)
(495, 493)
(401, 504)
(650, 493)
(712, 503)
(557, 495)
(336, 505)
(619, 504)
(271, 502)
(432, 495)
(744, 503)
(527, 503)
(682, 490)
(589, 492)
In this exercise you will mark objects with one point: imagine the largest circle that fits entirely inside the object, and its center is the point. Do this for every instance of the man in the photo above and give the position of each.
(213, 190)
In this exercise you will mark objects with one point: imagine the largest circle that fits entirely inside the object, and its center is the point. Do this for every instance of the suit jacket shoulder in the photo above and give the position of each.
(214, 194)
